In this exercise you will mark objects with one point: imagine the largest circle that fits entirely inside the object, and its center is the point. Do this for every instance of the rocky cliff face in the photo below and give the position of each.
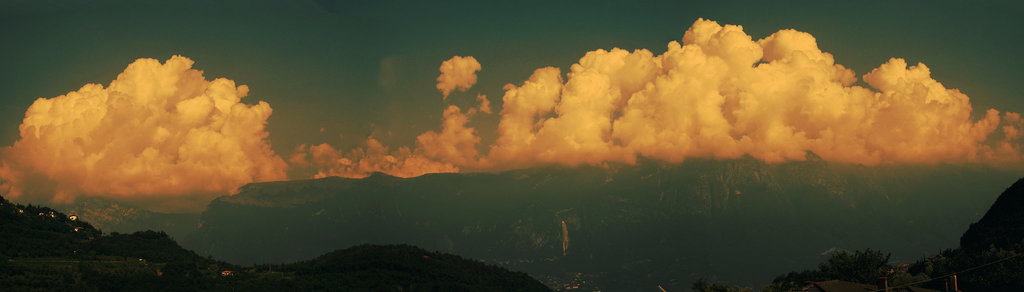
(111, 216)
(740, 221)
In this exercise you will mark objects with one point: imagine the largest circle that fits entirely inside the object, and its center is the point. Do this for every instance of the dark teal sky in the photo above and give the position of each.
(320, 64)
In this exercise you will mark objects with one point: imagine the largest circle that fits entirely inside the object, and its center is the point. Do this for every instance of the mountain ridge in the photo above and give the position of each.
(614, 216)
(1003, 224)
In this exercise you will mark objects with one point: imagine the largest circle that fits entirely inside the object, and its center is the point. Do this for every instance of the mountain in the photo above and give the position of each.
(991, 253)
(43, 249)
(614, 227)
(1003, 224)
(113, 216)
(990, 258)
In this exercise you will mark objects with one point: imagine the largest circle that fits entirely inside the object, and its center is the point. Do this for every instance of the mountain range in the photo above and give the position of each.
(615, 227)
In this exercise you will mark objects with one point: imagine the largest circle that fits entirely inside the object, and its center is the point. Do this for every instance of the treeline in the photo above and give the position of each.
(401, 267)
(858, 266)
(994, 269)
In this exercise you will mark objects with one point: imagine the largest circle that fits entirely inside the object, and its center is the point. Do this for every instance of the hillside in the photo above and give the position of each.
(389, 268)
(33, 231)
(44, 249)
(1003, 224)
(617, 227)
(990, 257)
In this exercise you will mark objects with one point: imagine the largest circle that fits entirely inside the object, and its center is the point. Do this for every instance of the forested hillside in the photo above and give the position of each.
(43, 249)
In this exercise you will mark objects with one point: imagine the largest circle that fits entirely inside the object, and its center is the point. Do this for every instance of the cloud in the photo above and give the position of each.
(722, 94)
(366, 160)
(719, 93)
(485, 104)
(158, 130)
(456, 144)
(457, 73)
(453, 147)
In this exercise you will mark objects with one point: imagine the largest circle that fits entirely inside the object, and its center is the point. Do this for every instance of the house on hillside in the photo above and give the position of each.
(844, 286)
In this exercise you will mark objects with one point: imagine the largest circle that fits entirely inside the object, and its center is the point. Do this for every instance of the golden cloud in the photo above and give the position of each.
(720, 94)
(364, 161)
(157, 130)
(457, 73)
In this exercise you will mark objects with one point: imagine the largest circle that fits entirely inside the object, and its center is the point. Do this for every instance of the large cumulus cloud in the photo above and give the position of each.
(719, 93)
(159, 129)
(722, 94)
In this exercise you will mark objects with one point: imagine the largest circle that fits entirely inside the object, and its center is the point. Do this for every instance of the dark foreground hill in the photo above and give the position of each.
(43, 249)
(991, 253)
(990, 257)
(1003, 224)
(620, 228)
(46, 250)
(390, 268)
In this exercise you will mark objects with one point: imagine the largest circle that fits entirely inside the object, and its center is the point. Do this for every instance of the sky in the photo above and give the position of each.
(338, 87)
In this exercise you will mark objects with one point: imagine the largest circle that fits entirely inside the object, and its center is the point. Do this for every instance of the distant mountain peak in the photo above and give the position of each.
(379, 175)
(813, 157)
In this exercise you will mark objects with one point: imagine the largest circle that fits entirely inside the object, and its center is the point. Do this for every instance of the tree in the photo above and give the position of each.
(702, 285)
(861, 266)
